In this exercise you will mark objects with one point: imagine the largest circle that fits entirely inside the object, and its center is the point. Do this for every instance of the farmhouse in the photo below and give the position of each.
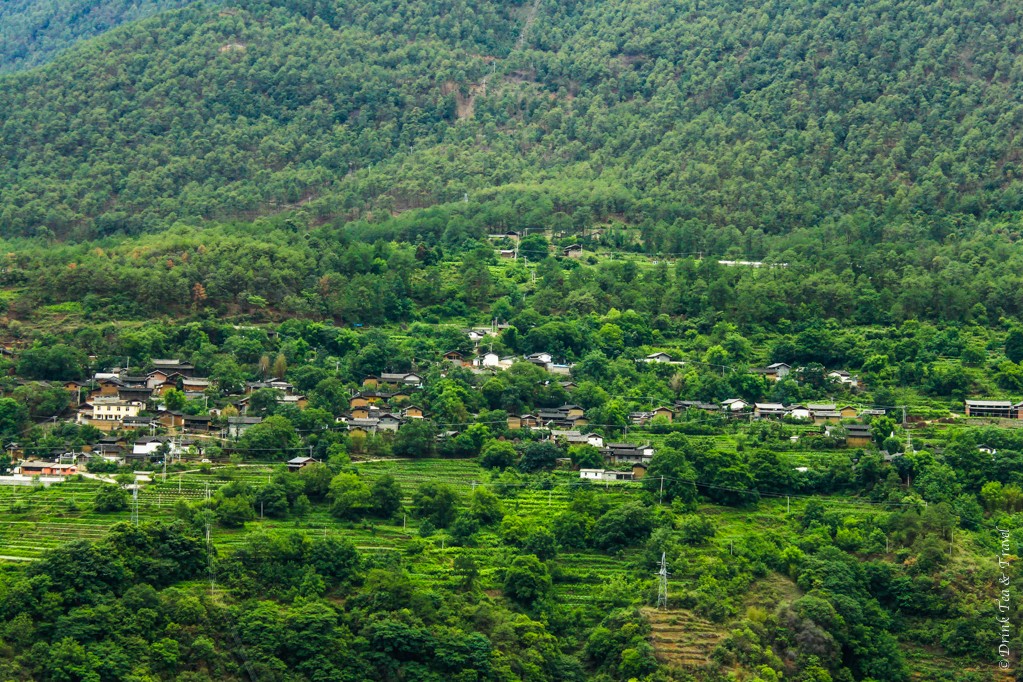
(236, 426)
(800, 412)
(627, 453)
(992, 408)
(455, 358)
(107, 409)
(764, 410)
(299, 462)
(175, 365)
(858, 436)
(844, 378)
(665, 412)
(605, 475)
(47, 469)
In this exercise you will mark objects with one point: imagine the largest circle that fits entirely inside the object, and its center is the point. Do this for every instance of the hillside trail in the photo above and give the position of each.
(530, 19)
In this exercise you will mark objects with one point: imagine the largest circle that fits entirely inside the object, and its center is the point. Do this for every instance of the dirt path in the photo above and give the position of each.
(530, 19)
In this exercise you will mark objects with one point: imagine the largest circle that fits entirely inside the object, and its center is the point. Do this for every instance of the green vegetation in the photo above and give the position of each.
(319, 192)
(33, 32)
(708, 126)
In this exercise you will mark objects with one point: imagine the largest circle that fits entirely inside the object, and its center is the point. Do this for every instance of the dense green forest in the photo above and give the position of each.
(34, 31)
(740, 117)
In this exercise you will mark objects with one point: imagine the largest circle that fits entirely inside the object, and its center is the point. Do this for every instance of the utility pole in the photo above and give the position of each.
(209, 543)
(662, 584)
(135, 505)
(660, 499)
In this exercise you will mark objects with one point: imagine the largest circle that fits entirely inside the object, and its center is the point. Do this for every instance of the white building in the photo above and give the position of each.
(487, 360)
(605, 475)
(735, 405)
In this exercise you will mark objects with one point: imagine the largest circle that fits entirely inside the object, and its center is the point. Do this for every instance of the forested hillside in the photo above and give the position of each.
(751, 116)
(33, 31)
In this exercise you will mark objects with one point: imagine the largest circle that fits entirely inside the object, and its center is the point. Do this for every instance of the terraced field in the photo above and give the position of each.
(682, 638)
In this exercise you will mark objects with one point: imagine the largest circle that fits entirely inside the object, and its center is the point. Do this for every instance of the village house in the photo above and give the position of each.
(628, 453)
(564, 417)
(106, 387)
(658, 357)
(300, 462)
(640, 417)
(734, 405)
(362, 427)
(197, 422)
(236, 426)
(455, 358)
(170, 419)
(194, 384)
(106, 412)
(605, 475)
(153, 447)
(849, 412)
(765, 410)
(34, 468)
(161, 377)
(665, 412)
(824, 413)
(136, 393)
(827, 417)
(389, 422)
(858, 436)
(175, 365)
(400, 379)
(844, 378)
(685, 405)
(572, 437)
(139, 423)
(800, 412)
(364, 411)
(775, 371)
(993, 408)
(573, 251)
(299, 401)
(487, 360)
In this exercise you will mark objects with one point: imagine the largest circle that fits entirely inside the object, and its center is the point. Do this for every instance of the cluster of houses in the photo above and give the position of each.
(779, 370)
(818, 413)
(116, 401)
(491, 361)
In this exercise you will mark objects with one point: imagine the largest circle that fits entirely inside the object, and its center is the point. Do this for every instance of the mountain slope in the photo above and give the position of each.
(33, 31)
(744, 115)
